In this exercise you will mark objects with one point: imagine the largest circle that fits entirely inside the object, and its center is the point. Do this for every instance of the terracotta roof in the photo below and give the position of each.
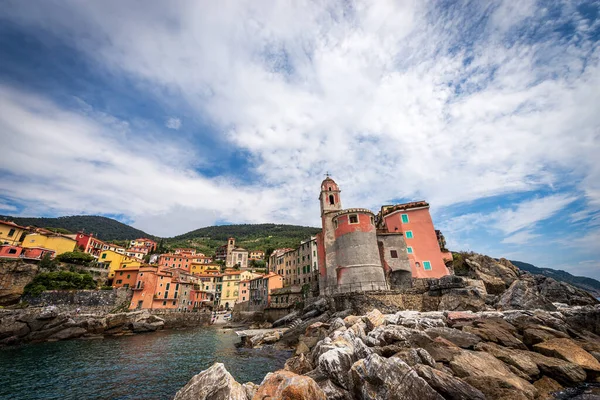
(9, 223)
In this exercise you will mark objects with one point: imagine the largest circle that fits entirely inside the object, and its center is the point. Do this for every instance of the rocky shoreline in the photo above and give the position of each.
(40, 324)
(514, 354)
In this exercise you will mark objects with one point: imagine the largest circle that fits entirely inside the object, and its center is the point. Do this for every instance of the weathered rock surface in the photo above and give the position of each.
(214, 383)
(286, 385)
(568, 350)
(14, 275)
(524, 295)
(546, 387)
(379, 378)
(447, 385)
(476, 364)
(462, 339)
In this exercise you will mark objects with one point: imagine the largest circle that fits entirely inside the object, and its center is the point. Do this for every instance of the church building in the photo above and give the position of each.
(359, 251)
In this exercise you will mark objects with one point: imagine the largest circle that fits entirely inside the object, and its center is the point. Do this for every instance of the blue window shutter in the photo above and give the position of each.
(426, 265)
(409, 250)
(409, 234)
(405, 218)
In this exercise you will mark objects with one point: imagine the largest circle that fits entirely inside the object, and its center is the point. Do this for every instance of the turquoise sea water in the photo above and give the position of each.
(146, 366)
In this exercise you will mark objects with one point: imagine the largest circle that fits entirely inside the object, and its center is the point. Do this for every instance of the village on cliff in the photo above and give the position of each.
(373, 307)
(356, 251)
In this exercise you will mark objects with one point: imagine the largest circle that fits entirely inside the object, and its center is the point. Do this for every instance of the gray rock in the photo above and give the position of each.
(461, 339)
(389, 378)
(214, 383)
(447, 385)
(523, 294)
(334, 392)
(69, 333)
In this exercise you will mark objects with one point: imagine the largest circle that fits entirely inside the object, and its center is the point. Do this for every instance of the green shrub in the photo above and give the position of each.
(62, 280)
(75, 257)
(48, 263)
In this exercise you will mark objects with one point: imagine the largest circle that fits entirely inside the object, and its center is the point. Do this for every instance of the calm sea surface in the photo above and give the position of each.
(147, 366)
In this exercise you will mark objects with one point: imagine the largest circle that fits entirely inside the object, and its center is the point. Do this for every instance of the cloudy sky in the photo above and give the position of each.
(175, 115)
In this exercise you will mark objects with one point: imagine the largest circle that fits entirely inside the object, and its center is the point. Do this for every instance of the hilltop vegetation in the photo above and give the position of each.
(105, 228)
(582, 282)
(250, 237)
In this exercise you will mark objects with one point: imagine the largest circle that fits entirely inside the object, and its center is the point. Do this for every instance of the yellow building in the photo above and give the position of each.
(59, 243)
(11, 233)
(230, 289)
(202, 268)
(114, 261)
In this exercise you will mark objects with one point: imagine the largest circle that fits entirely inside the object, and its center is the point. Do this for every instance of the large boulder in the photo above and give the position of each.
(497, 331)
(389, 378)
(523, 294)
(69, 333)
(515, 358)
(562, 292)
(214, 383)
(563, 371)
(374, 319)
(546, 388)
(461, 339)
(568, 350)
(447, 385)
(286, 385)
(299, 364)
(481, 368)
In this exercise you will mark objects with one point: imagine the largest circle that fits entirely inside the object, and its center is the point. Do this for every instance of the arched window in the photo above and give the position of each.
(330, 188)
(418, 265)
(331, 199)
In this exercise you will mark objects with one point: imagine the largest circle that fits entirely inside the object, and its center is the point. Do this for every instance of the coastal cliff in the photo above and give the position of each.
(491, 331)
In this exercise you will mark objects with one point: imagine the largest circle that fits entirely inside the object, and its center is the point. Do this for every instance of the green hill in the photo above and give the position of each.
(589, 284)
(251, 237)
(105, 228)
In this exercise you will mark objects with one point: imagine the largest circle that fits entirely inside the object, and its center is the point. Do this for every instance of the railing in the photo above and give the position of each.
(356, 287)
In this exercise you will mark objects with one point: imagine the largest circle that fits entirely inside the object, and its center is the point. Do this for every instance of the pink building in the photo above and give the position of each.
(424, 245)
(89, 244)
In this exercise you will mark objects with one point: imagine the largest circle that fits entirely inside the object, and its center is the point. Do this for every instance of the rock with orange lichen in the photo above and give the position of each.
(286, 385)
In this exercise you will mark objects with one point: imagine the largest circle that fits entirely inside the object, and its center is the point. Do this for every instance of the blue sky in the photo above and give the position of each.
(172, 116)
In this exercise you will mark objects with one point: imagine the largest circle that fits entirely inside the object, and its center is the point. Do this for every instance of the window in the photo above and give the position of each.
(393, 253)
(331, 199)
(11, 232)
(120, 274)
(353, 219)
(164, 303)
(104, 256)
(119, 281)
(426, 265)
(409, 234)
(409, 250)
(128, 276)
(372, 221)
(12, 251)
(404, 218)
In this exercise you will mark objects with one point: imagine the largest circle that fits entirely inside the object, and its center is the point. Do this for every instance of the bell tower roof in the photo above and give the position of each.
(329, 185)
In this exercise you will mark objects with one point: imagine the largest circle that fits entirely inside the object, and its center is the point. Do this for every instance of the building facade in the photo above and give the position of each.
(11, 233)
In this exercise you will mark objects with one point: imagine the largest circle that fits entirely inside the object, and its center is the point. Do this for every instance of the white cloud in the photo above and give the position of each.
(384, 94)
(173, 123)
(520, 238)
(7, 207)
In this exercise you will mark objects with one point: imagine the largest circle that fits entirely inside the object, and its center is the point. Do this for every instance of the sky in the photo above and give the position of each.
(170, 116)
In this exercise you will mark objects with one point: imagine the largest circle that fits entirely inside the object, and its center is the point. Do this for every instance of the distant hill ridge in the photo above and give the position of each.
(582, 282)
(103, 227)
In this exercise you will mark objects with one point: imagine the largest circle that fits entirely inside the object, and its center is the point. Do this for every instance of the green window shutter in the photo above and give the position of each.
(409, 234)
(426, 265)
(409, 250)
(405, 218)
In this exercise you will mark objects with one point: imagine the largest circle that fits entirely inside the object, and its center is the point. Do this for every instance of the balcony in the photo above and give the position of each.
(141, 287)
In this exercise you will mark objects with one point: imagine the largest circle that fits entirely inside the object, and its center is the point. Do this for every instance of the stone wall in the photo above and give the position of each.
(177, 320)
(86, 300)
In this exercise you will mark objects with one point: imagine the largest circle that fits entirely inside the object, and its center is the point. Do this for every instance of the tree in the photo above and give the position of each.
(48, 263)
(75, 257)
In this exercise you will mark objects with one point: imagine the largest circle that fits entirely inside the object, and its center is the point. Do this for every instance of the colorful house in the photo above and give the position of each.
(113, 260)
(144, 242)
(230, 289)
(31, 253)
(52, 241)
(87, 243)
(262, 287)
(424, 245)
(11, 233)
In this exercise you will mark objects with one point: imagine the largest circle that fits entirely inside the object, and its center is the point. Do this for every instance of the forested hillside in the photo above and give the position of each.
(251, 237)
(105, 228)
(589, 284)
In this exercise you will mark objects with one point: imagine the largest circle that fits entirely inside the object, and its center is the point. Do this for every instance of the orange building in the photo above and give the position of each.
(424, 245)
(260, 288)
(183, 258)
(169, 289)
